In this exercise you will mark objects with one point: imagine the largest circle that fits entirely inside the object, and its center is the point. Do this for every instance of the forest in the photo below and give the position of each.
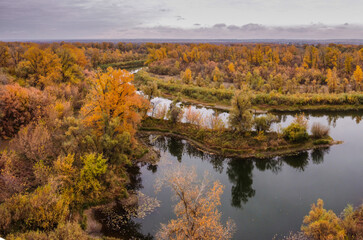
(73, 124)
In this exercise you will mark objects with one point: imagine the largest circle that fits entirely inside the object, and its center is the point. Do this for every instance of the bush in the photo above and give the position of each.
(322, 224)
(263, 123)
(295, 132)
(19, 106)
(319, 131)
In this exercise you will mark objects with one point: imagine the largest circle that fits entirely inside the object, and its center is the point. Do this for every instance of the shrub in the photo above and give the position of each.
(263, 123)
(319, 131)
(322, 224)
(295, 132)
(19, 106)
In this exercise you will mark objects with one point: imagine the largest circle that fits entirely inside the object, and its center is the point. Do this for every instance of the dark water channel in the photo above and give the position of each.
(265, 197)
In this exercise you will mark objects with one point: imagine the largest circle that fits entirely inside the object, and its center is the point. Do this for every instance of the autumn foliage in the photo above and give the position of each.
(196, 209)
(19, 106)
(112, 96)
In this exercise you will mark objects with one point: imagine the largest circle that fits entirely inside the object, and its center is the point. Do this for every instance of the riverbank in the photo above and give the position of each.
(261, 102)
(230, 144)
(263, 109)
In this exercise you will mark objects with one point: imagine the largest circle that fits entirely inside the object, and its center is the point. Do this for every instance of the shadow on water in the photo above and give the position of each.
(116, 223)
(239, 173)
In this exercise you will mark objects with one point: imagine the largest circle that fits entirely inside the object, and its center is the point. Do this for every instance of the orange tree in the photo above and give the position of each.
(113, 110)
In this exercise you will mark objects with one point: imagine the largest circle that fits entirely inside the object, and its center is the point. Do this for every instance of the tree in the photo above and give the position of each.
(175, 112)
(231, 68)
(43, 66)
(311, 57)
(348, 64)
(217, 76)
(358, 75)
(41, 209)
(196, 210)
(151, 90)
(332, 79)
(321, 224)
(187, 76)
(4, 55)
(263, 123)
(240, 117)
(19, 106)
(113, 97)
(81, 185)
(71, 71)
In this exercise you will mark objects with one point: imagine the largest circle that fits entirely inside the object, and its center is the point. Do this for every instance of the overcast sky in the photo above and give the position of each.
(217, 19)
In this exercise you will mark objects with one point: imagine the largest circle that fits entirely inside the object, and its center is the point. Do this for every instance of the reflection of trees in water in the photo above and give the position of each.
(116, 222)
(176, 147)
(159, 142)
(298, 161)
(357, 119)
(217, 161)
(239, 172)
(193, 152)
(272, 164)
(332, 117)
(317, 155)
(152, 167)
(135, 179)
(332, 120)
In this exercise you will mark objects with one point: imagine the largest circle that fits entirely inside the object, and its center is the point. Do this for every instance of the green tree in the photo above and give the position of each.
(240, 118)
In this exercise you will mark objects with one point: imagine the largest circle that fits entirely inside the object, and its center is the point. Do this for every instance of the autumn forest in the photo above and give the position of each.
(84, 124)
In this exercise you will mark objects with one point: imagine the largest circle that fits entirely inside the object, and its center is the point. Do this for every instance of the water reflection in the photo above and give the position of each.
(240, 171)
(116, 222)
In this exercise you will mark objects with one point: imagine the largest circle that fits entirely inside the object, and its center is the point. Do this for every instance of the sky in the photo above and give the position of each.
(186, 19)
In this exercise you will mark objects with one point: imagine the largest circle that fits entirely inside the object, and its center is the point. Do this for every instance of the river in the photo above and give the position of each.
(266, 198)
(269, 197)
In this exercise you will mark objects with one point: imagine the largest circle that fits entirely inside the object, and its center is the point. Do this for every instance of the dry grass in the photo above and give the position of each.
(318, 130)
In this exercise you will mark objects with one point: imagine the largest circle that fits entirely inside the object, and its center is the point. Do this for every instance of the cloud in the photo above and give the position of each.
(74, 19)
(253, 31)
(37, 19)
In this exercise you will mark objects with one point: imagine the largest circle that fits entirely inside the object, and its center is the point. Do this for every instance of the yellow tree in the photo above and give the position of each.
(113, 97)
(196, 210)
(358, 75)
(187, 76)
(72, 62)
(231, 68)
(332, 80)
(44, 66)
(321, 224)
(311, 57)
(4, 54)
(348, 64)
(217, 76)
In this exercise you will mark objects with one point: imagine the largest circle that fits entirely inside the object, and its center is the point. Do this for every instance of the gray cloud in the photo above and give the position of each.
(37, 19)
(64, 19)
(254, 31)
